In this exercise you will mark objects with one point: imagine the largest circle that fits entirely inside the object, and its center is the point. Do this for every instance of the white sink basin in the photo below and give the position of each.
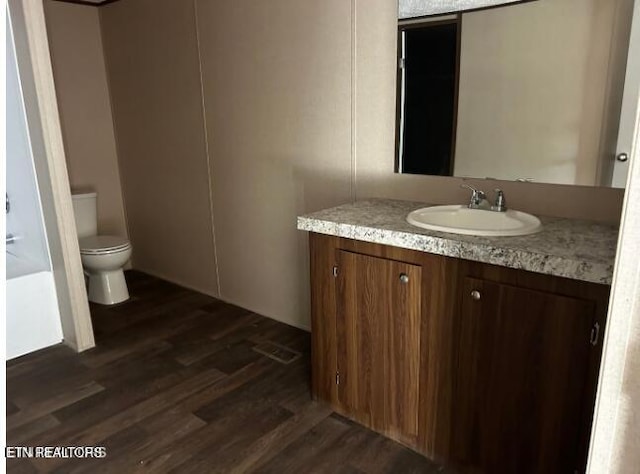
(459, 219)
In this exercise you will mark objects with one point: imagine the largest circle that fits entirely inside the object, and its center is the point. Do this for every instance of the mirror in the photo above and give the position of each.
(530, 91)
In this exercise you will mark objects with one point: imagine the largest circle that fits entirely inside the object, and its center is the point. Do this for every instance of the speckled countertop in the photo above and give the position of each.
(568, 248)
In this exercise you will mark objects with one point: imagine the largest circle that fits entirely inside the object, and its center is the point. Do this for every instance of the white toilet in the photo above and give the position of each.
(103, 256)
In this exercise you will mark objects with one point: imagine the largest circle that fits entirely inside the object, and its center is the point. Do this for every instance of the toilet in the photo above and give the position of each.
(103, 256)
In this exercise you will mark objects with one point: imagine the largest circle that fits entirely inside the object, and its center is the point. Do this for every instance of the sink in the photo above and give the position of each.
(459, 219)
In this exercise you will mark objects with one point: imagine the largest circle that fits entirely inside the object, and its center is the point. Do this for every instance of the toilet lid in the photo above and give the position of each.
(99, 244)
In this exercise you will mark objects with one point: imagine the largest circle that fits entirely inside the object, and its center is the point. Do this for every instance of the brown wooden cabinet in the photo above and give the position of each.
(521, 378)
(487, 368)
(378, 328)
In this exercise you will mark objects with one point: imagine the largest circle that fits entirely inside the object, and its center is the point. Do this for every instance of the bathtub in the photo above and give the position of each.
(32, 314)
(33, 317)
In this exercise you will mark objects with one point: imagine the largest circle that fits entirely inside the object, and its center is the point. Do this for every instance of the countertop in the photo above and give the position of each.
(580, 250)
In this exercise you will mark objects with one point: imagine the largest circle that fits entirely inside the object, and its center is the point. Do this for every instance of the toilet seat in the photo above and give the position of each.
(103, 244)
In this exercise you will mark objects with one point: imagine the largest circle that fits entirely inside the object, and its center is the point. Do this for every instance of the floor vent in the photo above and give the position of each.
(277, 352)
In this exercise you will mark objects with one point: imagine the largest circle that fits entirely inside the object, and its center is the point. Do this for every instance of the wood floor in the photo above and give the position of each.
(175, 385)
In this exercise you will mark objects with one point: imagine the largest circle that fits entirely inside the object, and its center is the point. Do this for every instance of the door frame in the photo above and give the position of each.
(615, 429)
(36, 80)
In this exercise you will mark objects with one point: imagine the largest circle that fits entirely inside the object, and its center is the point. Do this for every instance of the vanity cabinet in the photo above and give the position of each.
(521, 380)
(378, 342)
(486, 368)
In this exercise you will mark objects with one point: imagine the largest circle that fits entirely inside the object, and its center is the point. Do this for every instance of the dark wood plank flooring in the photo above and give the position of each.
(174, 385)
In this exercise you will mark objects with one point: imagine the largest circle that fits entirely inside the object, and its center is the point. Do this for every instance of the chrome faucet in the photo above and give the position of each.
(479, 199)
(500, 204)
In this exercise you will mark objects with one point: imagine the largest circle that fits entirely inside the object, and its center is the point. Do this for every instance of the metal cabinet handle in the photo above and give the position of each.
(622, 157)
(404, 278)
(595, 334)
(475, 295)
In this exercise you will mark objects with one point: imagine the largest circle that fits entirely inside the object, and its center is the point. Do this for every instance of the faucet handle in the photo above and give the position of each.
(500, 204)
(470, 188)
(476, 192)
(477, 196)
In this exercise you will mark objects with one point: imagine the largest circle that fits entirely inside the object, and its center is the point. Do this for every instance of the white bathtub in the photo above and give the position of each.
(33, 317)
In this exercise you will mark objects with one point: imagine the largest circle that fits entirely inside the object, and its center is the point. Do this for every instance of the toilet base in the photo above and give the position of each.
(108, 287)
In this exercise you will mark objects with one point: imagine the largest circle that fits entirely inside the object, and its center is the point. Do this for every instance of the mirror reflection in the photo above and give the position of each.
(530, 91)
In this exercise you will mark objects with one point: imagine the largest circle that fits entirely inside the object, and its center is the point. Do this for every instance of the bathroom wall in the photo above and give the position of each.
(374, 132)
(278, 116)
(85, 108)
(298, 103)
(277, 90)
(154, 78)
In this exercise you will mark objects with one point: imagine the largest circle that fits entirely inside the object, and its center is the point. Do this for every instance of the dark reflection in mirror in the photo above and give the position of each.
(426, 97)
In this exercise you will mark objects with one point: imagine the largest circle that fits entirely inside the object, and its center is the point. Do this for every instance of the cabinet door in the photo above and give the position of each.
(523, 361)
(378, 339)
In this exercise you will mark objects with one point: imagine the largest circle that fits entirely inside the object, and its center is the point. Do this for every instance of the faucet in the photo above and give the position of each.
(479, 200)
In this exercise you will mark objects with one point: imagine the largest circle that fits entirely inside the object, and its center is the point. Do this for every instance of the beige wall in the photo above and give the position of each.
(85, 110)
(375, 122)
(277, 90)
(533, 84)
(152, 62)
(299, 100)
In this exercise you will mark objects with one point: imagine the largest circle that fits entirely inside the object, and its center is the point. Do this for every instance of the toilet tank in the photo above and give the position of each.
(85, 213)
